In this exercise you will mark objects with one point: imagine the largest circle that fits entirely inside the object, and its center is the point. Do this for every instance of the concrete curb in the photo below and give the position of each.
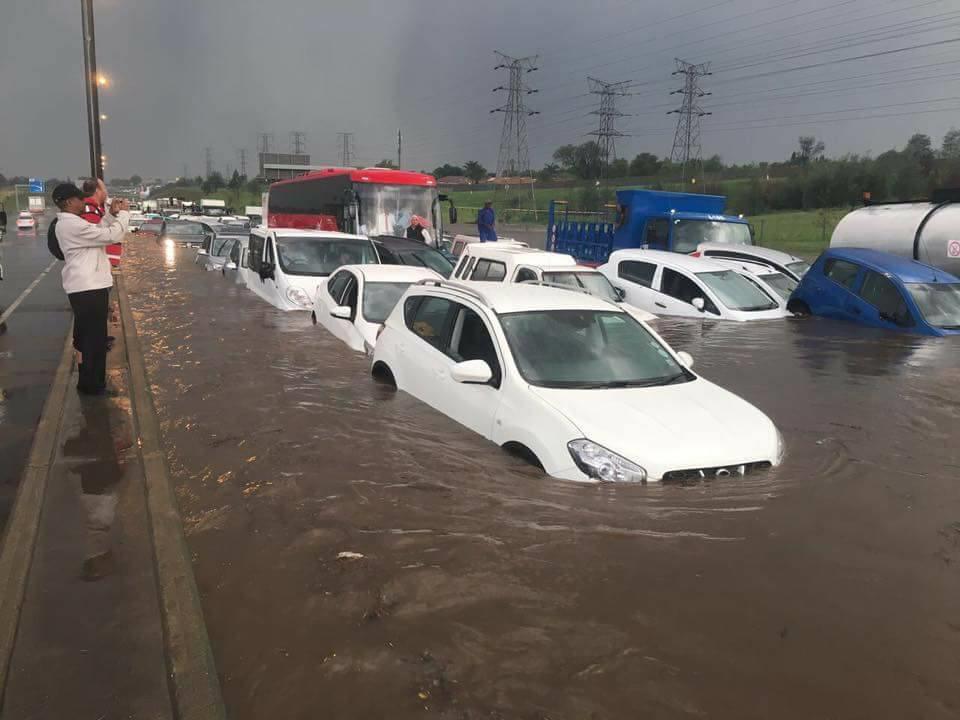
(20, 539)
(192, 673)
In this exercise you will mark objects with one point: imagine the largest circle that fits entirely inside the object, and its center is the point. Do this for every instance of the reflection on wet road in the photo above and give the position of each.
(828, 586)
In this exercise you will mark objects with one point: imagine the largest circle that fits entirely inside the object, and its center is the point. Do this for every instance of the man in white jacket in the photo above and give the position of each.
(87, 278)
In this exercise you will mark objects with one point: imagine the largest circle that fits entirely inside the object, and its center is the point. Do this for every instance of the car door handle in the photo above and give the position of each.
(660, 305)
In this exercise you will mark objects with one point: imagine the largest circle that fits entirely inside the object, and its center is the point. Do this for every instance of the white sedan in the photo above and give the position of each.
(570, 382)
(355, 300)
(667, 283)
(26, 221)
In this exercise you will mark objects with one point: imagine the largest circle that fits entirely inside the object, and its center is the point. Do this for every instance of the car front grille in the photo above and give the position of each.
(716, 472)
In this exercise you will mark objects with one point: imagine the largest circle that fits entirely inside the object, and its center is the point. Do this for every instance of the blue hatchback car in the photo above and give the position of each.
(880, 290)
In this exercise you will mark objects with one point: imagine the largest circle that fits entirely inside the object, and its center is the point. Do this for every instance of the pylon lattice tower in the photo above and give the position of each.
(607, 133)
(298, 141)
(514, 157)
(687, 151)
(346, 148)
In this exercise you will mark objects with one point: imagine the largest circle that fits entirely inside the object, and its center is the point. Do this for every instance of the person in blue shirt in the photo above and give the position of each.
(486, 220)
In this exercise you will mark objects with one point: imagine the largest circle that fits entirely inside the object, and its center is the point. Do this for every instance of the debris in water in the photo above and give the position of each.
(348, 555)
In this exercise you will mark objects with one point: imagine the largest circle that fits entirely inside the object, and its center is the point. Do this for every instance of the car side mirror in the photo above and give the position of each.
(685, 358)
(201, 251)
(698, 303)
(620, 293)
(453, 215)
(266, 270)
(341, 311)
(472, 372)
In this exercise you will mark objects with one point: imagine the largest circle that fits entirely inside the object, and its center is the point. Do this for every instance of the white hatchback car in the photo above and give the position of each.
(354, 301)
(667, 283)
(773, 282)
(570, 382)
(790, 265)
(26, 221)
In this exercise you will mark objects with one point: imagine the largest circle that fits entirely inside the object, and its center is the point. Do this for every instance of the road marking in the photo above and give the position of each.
(23, 295)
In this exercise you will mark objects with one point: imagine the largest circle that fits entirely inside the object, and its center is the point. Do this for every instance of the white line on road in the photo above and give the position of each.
(23, 295)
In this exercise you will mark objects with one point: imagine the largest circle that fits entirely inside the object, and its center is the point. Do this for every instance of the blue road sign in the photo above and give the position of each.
(36, 185)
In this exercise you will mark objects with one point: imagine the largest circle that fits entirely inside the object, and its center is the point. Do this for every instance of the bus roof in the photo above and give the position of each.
(377, 176)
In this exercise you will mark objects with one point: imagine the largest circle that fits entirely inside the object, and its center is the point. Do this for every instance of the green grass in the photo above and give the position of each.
(802, 232)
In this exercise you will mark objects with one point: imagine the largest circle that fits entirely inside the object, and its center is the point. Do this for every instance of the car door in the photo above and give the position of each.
(423, 359)
(253, 265)
(677, 292)
(636, 279)
(331, 295)
(470, 338)
(880, 303)
(838, 296)
(272, 286)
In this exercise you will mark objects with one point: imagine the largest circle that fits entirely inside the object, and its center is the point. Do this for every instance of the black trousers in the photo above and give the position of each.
(90, 309)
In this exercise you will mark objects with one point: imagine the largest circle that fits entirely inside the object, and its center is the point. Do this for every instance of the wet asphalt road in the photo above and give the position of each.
(826, 588)
(30, 348)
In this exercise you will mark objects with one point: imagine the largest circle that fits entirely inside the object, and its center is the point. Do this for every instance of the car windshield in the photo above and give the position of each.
(184, 228)
(588, 349)
(594, 283)
(429, 258)
(798, 268)
(736, 292)
(939, 303)
(379, 299)
(689, 234)
(781, 283)
(320, 256)
(222, 246)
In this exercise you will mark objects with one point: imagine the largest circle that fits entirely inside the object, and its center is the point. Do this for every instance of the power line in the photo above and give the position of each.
(297, 142)
(264, 142)
(687, 151)
(607, 133)
(514, 157)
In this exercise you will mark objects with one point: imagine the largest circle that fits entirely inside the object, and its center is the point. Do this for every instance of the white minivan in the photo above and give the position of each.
(284, 266)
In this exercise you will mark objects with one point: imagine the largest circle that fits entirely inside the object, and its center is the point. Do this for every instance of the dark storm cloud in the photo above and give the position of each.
(192, 74)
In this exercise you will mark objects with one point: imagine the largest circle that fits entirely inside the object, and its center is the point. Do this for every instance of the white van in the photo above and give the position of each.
(255, 214)
(284, 266)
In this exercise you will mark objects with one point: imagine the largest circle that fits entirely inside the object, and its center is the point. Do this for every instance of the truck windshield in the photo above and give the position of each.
(594, 283)
(317, 256)
(736, 292)
(938, 302)
(588, 349)
(688, 234)
(388, 209)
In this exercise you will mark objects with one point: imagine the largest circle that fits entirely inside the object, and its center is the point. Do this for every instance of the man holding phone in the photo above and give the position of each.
(87, 278)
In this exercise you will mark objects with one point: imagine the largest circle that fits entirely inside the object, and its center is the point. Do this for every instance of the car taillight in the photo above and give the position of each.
(695, 253)
(380, 330)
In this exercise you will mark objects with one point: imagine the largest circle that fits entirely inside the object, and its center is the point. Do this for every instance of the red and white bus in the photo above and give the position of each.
(372, 202)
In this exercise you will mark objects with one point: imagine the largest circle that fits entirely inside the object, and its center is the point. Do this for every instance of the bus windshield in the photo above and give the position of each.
(388, 209)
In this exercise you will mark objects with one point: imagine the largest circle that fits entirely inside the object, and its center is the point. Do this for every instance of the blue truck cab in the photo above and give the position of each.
(654, 219)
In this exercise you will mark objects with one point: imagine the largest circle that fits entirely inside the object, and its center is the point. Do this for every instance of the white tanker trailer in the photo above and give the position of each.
(924, 231)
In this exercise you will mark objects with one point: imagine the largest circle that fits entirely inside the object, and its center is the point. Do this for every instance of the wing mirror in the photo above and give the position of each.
(472, 372)
(698, 303)
(266, 270)
(341, 311)
(685, 358)
(620, 293)
(201, 251)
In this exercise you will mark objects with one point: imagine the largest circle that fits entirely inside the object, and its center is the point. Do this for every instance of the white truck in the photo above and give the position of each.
(255, 213)
(36, 204)
(213, 208)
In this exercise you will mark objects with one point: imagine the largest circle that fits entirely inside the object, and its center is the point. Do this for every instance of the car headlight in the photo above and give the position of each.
(298, 297)
(597, 462)
(781, 447)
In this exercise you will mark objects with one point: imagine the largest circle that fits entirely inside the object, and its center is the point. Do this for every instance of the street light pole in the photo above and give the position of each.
(93, 98)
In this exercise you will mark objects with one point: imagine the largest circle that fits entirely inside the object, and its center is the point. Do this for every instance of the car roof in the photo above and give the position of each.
(754, 268)
(671, 259)
(777, 256)
(318, 234)
(907, 270)
(519, 254)
(523, 297)
(392, 242)
(391, 273)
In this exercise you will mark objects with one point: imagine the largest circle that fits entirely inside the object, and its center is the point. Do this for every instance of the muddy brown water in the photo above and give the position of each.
(827, 588)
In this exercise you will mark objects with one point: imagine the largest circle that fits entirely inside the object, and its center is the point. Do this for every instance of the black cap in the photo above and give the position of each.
(65, 191)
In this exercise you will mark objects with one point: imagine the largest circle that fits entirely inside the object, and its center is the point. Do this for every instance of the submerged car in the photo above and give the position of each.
(773, 282)
(401, 251)
(880, 290)
(668, 283)
(570, 382)
(356, 300)
(186, 233)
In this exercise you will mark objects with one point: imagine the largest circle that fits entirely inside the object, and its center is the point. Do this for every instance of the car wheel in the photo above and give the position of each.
(382, 374)
(524, 453)
(798, 307)
(313, 316)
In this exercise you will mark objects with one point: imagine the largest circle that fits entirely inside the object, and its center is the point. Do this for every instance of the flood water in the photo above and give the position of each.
(826, 588)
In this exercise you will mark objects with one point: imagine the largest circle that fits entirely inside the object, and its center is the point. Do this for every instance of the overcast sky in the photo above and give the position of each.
(188, 74)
